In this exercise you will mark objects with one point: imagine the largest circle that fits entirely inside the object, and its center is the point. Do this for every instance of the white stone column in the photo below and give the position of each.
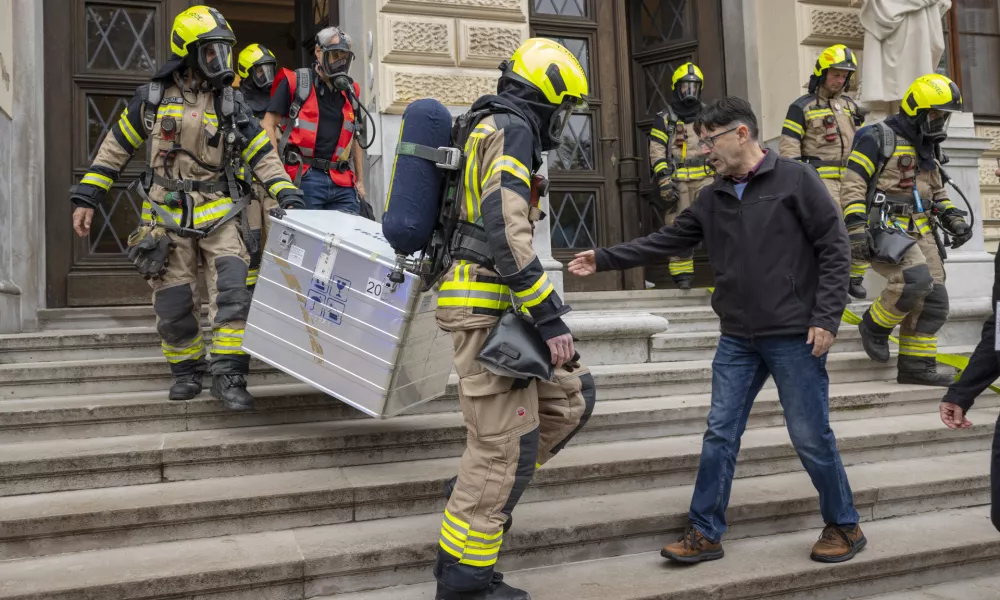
(543, 237)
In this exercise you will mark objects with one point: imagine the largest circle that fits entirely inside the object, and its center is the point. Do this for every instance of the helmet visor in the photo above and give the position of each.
(215, 59)
(688, 89)
(937, 122)
(336, 60)
(560, 118)
(263, 75)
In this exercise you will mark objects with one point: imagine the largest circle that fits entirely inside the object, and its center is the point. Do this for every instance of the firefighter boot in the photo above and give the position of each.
(231, 388)
(496, 590)
(683, 282)
(875, 342)
(857, 289)
(918, 370)
(186, 386)
(449, 487)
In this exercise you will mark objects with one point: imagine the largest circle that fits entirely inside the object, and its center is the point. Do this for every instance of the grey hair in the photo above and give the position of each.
(326, 35)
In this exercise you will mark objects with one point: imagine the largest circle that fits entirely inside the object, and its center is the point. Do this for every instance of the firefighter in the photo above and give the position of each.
(819, 129)
(315, 126)
(895, 165)
(198, 134)
(679, 169)
(514, 426)
(256, 68)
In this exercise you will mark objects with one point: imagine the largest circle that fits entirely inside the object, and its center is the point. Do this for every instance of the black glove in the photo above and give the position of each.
(86, 196)
(962, 231)
(860, 246)
(670, 196)
(289, 198)
(151, 255)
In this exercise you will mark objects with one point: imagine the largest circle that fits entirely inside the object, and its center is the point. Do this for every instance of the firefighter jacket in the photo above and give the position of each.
(305, 126)
(502, 152)
(819, 129)
(186, 153)
(673, 150)
(910, 191)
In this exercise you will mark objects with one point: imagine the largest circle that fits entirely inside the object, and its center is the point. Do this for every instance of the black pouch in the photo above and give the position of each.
(515, 349)
(890, 244)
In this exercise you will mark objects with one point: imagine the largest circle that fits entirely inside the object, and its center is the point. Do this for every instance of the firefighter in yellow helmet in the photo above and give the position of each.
(256, 68)
(514, 425)
(893, 184)
(819, 129)
(678, 169)
(198, 135)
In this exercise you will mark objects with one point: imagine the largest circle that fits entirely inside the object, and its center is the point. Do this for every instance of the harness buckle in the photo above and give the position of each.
(452, 159)
(878, 199)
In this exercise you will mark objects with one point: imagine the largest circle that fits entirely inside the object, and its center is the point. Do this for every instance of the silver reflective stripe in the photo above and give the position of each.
(494, 296)
(349, 126)
(307, 152)
(447, 542)
(307, 125)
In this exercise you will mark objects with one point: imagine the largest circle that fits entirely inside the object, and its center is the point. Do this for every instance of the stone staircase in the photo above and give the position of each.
(108, 490)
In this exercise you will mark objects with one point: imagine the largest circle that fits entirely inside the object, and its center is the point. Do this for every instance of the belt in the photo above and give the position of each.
(822, 163)
(188, 185)
(897, 204)
(319, 163)
(695, 162)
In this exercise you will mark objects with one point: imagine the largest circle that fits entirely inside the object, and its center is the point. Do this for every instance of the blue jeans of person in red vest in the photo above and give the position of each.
(320, 193)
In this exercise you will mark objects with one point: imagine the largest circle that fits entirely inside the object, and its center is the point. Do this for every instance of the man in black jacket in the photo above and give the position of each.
(779, 249)
(983, 369)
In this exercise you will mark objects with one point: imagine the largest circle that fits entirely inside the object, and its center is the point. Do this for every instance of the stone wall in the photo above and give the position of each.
(22, 223)
(989, 185)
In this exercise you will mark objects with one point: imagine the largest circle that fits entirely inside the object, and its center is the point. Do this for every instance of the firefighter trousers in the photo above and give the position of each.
(834, 186)
(260, 226)
(915, 298)
(681, 266)
(224, 257)
(512, 431)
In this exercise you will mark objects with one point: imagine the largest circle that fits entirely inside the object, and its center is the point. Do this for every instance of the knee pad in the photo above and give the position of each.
(917, 284)
(255, 257)
(935, 311)
(174, 306)
(233, 299)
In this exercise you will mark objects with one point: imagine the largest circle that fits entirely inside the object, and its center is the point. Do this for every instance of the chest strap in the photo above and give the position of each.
(218, 185)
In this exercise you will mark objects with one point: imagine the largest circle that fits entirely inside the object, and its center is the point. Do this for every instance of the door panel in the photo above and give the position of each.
(585, 211)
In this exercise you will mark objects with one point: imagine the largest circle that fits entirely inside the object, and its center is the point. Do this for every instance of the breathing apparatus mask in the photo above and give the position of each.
(214, 60)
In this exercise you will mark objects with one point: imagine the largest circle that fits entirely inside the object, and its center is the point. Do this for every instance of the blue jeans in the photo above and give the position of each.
(320, 193)
(740, 368)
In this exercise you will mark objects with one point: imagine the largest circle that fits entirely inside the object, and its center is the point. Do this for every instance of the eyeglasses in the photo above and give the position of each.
(709, 142)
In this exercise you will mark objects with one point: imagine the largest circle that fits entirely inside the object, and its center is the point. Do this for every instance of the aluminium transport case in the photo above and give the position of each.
(322, 312)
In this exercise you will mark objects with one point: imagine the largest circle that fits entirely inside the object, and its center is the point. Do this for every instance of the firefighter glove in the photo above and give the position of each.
(291, 198)
(670, 195)
(962, 231)
(861, 246)
(149, 251)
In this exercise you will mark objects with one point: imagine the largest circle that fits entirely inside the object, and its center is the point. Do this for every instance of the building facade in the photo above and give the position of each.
(63, 104)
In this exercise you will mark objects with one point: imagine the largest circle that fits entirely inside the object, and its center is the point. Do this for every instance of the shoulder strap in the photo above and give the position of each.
(886, 146)
(303, 85)
(154, 94)
(671, 121)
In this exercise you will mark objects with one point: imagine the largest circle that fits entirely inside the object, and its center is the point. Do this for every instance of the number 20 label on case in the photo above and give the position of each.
(374, 288)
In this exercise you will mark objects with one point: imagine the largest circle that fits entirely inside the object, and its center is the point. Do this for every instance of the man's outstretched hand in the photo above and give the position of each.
(584, 264)
(953, 416)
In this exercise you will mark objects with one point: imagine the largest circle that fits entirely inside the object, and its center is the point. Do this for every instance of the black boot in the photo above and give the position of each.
(876, 344)
(683, 282)
(918, 370)
(232, 390)
(496, 590)
(186, 387)
(857, 289)
(449, 487)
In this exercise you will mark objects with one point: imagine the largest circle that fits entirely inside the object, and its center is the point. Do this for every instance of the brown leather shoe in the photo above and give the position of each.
(692, 548)
(838, 544)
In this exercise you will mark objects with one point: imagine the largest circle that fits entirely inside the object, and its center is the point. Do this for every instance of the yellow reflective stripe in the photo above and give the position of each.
(539, 297)
(855, 209)
(252, 277)
(831, 172)
(858, 270)
(128, 131)
(176, 354)
(947, 204)
(904, 151)
(692, 173)
(211, 210)
(210, 119)
(659, 135)
(482, 130)
(97, 180)
(538, 289)
(255, 145)
(148, 214)
(882, 316)
(281, 185)
(512, 166)
(456, 521)
(661, 166)
(170, 110)
(794, 127)
(864, 161)
(923, 225)
(471, 183)
(820, 112)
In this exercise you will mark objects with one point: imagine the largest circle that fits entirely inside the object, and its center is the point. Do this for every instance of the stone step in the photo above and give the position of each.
(977, 588)
(83, 344)
(108, 415)
(35, 380)
(99, 317)
(695, 318)
(51, 466)
(57, 523)
(698, 345)
(637, 299)
(902, 552)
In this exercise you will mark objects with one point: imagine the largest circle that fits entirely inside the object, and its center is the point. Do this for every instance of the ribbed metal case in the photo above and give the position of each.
(323, 313)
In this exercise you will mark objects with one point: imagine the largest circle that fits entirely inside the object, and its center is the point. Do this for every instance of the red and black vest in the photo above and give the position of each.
(305, 126)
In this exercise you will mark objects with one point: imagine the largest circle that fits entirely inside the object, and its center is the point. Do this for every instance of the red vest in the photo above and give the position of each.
(304, 130)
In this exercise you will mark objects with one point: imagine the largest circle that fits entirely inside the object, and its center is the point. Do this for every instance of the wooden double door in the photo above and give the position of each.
(600, 191)
(116, 46)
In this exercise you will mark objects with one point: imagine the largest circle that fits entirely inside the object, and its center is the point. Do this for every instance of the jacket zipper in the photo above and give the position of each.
(746, 315)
